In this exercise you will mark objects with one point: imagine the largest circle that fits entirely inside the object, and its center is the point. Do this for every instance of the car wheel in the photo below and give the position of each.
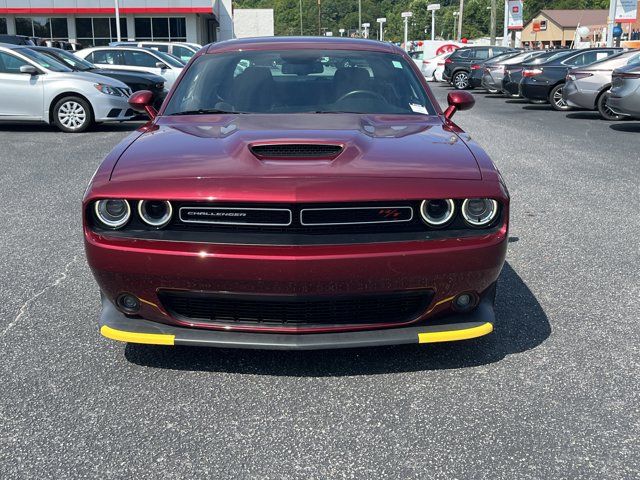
(604, 110)
(461, 81)
(556, 100)
(72, 115)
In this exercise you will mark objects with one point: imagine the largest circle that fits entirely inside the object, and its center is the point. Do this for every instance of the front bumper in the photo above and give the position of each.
(116, 326)
(109, 108)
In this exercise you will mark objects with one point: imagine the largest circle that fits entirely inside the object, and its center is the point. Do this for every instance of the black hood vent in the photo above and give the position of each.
(296, 150)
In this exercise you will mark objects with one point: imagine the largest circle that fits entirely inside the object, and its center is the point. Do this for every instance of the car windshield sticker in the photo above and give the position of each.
(418, 108)
(397, 64)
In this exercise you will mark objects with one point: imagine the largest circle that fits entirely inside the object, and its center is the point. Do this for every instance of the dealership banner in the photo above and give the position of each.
(626, 11)
(515, 15)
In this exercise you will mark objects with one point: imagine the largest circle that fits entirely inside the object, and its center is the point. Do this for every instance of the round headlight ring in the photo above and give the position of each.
(477, 220)
(101, 209)
(155, 222)
(437, 222)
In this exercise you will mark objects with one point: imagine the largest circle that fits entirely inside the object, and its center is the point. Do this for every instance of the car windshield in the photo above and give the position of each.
(169, 59)
(70, 60)
(45, 61)
(300, 81)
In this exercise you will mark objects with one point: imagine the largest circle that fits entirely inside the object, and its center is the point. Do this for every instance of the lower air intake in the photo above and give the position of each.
(296, 311)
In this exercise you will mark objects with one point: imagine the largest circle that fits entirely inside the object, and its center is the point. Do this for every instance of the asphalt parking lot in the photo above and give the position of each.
(553, 393)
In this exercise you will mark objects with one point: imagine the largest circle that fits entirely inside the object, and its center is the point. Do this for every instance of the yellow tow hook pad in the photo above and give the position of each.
(453, 335)
(135, 337)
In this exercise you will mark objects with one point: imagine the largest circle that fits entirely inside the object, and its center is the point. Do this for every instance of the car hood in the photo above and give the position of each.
(410, 146)
(91, 77)
(132, 74)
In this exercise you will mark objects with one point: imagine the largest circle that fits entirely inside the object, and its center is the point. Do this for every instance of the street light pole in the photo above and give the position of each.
(432, 8)
(406, 16)
(455, 25)
(319, 29)
(118, 21)
(611, 21)
(505, 32)
(359, 17)
(381, 21)
(460, 13)
(493, 21)
(301, 33)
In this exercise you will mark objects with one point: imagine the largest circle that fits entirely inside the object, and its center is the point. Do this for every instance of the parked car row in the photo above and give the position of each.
(602, 79)
(73, 90)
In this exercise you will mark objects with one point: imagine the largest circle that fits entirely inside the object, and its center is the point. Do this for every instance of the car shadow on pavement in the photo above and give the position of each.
(521, 325)
(538, 106)
(630, 127)
(584, 115)
(522, 101)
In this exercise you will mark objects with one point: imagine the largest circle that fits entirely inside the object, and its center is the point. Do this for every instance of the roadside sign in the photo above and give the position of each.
(406, 14)
(381, 20)
(515, 15)
(626, 11)
(433, 6)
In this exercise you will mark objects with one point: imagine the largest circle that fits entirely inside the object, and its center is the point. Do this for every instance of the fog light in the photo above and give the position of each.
(128, 303)
(465, 302)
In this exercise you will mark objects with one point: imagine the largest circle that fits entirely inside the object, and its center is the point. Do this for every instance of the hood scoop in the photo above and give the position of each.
(296, 151)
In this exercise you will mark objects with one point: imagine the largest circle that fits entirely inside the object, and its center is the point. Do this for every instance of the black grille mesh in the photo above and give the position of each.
(294, 150)
(277, 310)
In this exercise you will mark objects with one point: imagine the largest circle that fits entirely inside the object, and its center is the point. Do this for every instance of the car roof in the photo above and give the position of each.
(286, 43)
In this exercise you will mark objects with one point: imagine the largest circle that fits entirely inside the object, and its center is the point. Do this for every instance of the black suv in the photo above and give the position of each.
(457, 68)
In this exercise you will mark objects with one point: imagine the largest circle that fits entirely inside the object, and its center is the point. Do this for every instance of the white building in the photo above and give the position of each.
(92, 22)
(253, 22)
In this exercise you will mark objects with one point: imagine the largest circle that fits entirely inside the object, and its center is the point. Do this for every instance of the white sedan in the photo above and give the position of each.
(432, 69)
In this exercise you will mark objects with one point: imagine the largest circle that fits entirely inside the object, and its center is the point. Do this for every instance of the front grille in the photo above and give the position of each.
(296, 311)
(296, 150)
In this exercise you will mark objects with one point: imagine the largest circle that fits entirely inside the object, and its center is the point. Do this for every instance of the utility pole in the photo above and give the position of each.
(301, 33)
(319, 26)
(461, 13)
(118, 21)
(359, 17)
(493, 21)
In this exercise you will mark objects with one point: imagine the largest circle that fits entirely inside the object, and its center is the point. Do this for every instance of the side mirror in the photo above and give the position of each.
(459, 100)
(142, 101)
(30, 69)
(161, 65)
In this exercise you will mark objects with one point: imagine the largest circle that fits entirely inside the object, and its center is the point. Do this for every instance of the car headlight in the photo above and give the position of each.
(479, 212)
(109, 90)
(437, 212)
(156, 213)
(112, 212)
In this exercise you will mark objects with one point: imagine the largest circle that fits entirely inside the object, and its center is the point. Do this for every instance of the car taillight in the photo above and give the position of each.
(448, 60)
(475, 66)
(531, 72)
(627, 75)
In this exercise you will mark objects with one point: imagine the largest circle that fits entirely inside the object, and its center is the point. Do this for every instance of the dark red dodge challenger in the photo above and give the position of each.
(297, 193)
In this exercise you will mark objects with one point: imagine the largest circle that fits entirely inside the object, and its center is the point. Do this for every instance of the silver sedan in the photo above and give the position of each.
(587, 87)
(624, 97)
(37, 88)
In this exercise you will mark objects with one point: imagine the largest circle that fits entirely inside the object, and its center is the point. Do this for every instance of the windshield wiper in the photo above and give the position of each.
(203, 111)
